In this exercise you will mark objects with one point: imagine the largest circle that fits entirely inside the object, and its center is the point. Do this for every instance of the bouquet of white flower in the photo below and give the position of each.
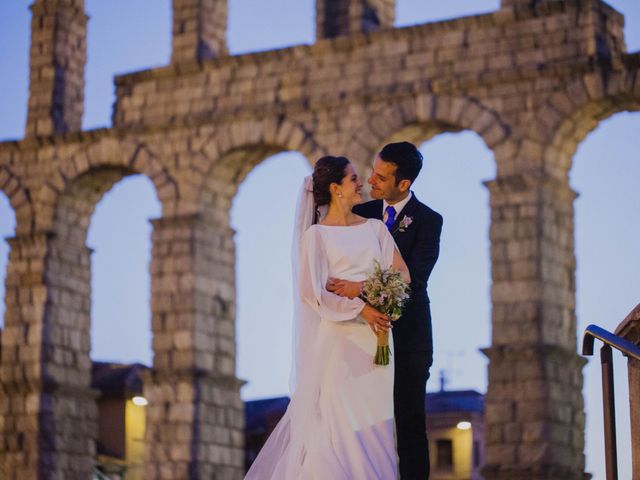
(387, 292)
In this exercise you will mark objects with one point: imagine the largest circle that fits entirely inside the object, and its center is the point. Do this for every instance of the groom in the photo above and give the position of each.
(416, 229)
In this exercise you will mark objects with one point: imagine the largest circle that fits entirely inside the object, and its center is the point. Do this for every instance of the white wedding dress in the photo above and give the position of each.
(339, 424)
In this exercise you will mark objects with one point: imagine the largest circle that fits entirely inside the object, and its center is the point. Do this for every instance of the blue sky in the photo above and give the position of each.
(128, 35)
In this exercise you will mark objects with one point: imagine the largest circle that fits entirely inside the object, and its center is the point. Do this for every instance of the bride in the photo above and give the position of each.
(339, 423)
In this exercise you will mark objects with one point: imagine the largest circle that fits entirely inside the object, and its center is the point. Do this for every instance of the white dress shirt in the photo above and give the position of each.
(396, 206)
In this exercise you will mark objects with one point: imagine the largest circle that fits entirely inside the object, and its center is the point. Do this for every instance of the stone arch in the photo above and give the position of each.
(456, 165)
(533, 219)
(68, 200)
(423, 118)
(605, 175)
(563, 123)
(82, 179)
(233, 150)
(226, 157)
(67, 203)
(193, 283)
(567, 117)
(419, 119)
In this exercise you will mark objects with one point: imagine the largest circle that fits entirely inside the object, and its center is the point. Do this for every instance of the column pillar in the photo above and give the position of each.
(199, 30)
(56, 69)
(534, 410)
(336, 18)
(195, 416)
(47, 410)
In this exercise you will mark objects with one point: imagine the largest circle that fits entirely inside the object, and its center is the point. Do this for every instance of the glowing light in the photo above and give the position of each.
(140, 401)
(464, 425)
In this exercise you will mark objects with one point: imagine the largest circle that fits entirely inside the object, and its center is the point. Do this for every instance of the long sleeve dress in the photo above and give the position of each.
(339, 423)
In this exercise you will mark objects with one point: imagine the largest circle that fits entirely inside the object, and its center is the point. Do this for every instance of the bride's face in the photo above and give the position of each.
(350, 190)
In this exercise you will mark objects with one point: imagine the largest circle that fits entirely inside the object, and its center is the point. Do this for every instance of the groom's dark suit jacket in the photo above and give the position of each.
(419, 245)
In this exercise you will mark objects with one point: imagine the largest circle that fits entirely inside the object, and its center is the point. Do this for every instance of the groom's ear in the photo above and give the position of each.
(404, 185)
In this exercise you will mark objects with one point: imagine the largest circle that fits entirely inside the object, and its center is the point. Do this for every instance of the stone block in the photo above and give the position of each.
(499, 412)
(534, 453)
(501, 454)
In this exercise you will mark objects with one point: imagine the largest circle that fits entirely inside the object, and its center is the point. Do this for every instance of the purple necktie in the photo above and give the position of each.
(391, 216)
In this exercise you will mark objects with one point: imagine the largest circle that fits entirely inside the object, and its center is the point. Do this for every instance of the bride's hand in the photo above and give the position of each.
(378, 322)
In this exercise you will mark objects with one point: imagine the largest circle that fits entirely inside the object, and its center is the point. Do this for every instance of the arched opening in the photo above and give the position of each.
(419, 120)
(7, 229)
(250, 204)
(456, 162)
(262, 216)
(120, 237)
(122, 36)
(109, 307)
(455, 165)
(269, 28)
(14, 63)
(412, 12)
(605, 174)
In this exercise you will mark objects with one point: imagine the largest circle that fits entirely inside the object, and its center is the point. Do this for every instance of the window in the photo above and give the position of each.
(444, 452)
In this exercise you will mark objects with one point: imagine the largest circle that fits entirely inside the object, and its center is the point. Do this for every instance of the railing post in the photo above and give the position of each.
(608, 403)
(632, 351)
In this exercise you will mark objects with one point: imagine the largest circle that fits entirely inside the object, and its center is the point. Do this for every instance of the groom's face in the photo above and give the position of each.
(383, 182)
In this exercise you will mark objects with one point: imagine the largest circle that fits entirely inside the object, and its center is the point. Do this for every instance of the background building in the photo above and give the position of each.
(456, 434)
(121, 419)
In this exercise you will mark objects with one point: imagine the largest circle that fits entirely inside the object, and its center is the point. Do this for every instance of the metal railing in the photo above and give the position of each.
(629, 349)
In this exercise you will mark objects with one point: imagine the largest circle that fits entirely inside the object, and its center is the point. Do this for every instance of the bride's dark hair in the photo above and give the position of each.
(327, 170)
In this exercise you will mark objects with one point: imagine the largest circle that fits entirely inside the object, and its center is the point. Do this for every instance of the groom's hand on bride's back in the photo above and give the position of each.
(344, 288)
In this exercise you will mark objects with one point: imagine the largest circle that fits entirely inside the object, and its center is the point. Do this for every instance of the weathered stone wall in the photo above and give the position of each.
(531, 81)
(500, 58)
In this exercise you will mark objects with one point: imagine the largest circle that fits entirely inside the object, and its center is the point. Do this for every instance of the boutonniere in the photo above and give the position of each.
(404, 224)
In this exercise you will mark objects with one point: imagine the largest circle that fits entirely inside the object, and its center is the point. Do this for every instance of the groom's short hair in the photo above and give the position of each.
(406, 157)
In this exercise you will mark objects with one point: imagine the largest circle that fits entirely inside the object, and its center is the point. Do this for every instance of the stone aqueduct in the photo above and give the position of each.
(532, 79)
